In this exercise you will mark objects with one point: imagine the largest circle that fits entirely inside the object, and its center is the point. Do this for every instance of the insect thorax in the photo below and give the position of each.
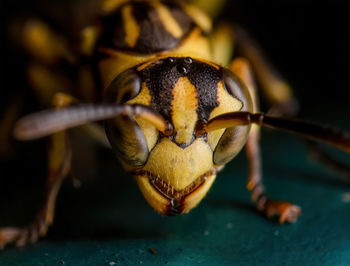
(140, 31)
(146, 27)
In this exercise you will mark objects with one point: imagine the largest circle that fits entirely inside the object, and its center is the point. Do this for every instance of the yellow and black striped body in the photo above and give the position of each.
(156, 53)
(146, 27)
(140, 31)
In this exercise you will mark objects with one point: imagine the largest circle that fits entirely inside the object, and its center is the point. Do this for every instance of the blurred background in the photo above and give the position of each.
(307, 41)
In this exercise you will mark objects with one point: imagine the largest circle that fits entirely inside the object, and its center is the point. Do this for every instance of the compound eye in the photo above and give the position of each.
(127, 140)
(235, 86)
(233, 139)
(124, 134)
(124, 87)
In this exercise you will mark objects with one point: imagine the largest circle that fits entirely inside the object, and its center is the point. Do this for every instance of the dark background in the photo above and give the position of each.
(308, 41)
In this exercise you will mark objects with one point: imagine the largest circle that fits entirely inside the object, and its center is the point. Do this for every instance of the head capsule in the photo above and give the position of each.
(175, 172)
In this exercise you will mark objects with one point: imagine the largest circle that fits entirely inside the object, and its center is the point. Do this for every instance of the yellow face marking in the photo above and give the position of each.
(144, 97)
(184, 107)
(227, 104)
(167, 20)
(148, 129)
(132, 29)
(179, 167)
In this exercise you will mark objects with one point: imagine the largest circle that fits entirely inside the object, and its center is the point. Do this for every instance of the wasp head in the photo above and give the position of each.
(175, 171)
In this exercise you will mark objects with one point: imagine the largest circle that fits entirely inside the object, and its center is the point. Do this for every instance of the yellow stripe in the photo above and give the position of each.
(184, 110)
(227, 104)
(132, 29)
(148, 129)
(144, 97)
(168, 20)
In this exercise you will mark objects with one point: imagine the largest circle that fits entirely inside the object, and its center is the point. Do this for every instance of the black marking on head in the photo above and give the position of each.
(153, 35)
(205, 78)
(161, 77)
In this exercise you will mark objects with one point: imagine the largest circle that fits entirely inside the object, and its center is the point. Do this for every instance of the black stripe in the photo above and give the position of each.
(205, 78)
(153, 35)
(113, 34)
(162, 76)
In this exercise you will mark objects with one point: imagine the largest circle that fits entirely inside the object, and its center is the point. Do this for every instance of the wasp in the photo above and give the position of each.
(175, 107)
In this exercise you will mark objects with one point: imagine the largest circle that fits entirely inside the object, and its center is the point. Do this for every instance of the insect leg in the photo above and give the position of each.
(55, 64)
(47, 51)
(274, 87)
(318, 154)
(59, 162)
(280, 95)
(43, 44)
(45, 74)
(286, 211)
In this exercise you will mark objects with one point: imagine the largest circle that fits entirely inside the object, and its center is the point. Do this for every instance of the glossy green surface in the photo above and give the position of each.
(107, 221)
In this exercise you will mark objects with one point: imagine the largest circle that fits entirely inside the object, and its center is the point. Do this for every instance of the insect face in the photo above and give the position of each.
(175, 172)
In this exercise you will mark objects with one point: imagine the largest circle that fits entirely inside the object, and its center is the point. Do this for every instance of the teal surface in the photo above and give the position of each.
(107, 221)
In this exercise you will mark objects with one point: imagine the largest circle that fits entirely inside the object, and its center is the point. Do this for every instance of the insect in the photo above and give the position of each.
(175, 108)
